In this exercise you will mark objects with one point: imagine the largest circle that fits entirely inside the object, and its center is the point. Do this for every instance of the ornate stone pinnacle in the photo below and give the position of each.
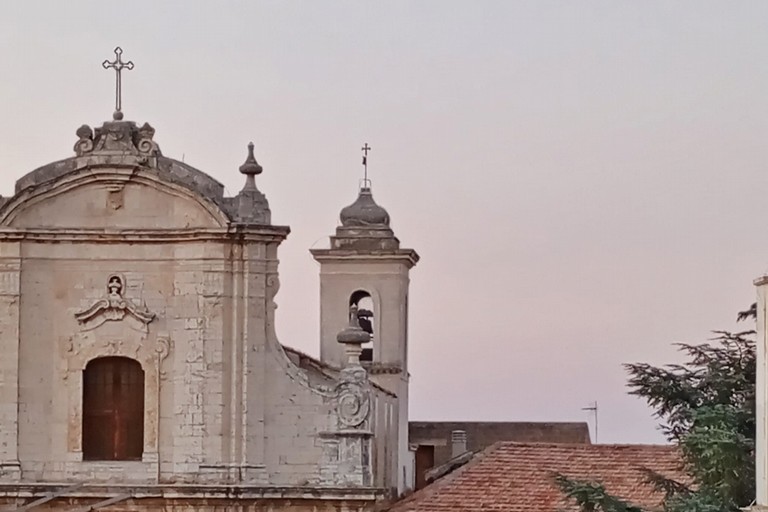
(250, 168)
(353, 334)
(352, 337)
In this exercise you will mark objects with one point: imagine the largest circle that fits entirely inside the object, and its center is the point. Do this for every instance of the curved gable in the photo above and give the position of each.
(116, 198)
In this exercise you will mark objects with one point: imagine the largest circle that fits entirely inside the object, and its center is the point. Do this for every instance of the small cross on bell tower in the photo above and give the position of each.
(118, 65)
(365, 149)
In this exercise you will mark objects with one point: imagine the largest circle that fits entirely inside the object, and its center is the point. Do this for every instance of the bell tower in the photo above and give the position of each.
(366, 268)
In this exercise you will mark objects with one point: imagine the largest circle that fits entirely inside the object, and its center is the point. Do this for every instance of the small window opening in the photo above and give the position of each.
(113, 409)
(364, 303)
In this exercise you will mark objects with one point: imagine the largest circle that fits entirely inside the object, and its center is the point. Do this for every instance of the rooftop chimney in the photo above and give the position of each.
(458, 443)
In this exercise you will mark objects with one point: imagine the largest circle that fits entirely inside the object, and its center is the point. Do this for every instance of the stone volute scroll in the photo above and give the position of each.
(84, 142)
(353, 397)
(114, 306)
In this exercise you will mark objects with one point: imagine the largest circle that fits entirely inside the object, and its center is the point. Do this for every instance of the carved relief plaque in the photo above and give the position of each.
(114, 307)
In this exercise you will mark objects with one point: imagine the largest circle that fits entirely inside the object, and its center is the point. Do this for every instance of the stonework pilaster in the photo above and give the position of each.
(10, 268)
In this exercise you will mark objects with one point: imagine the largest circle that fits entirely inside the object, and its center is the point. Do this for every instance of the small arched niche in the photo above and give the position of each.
(364, 303)
(113, 409)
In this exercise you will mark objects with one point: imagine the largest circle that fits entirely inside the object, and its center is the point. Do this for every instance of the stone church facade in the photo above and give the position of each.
(140, 366)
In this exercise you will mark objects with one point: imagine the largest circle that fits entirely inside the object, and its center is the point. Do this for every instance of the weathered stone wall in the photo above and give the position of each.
(382, 421)
(184, 284)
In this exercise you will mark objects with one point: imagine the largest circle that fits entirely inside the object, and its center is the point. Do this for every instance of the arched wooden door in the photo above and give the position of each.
(113, 409)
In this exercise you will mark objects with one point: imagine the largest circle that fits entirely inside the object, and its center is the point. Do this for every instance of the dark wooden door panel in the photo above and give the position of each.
(113, 409)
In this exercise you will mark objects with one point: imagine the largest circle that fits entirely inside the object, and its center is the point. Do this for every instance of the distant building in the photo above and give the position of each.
(520, 477)
(438, 442)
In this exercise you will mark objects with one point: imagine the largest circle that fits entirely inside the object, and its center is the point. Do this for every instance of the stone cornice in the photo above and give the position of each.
(408, 256)
(195, 491)
(79, 235)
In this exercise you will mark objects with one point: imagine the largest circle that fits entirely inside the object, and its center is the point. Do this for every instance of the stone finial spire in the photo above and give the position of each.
(250, 168)
(352, 337)
(252, 205)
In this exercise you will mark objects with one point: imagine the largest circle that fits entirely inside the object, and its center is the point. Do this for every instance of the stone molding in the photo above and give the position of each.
(407, 256)
(266, 234)
(204, 492)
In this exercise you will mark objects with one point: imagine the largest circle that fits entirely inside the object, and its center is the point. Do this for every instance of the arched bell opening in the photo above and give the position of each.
(364, 303)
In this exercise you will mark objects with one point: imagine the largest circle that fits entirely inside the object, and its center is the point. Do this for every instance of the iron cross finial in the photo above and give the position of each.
(118, 65)
(365, 149)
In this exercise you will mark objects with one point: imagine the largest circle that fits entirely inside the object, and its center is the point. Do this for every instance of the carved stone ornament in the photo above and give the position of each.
(113, 307)
(145, 144)
(353, 397)
(85, 140)
(117, 138)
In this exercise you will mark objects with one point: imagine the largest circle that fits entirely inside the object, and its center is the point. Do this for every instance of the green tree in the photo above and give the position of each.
(707, 408)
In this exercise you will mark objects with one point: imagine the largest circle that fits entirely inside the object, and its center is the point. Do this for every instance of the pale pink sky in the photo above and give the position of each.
(585, 181)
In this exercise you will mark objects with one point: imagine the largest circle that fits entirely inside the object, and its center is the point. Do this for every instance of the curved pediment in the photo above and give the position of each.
(119, 179)
(111, 198)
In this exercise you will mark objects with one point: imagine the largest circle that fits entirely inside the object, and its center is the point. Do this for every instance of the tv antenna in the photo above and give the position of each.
(593, 409)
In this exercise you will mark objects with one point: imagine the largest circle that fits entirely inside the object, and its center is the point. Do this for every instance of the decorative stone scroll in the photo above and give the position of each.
(114, 307)
(162, 350)
(84, 143)
(117, 137)
(145, 144)
(353, 397)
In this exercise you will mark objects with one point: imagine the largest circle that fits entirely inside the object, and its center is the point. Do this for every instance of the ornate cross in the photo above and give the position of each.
(118, 65)
(365, 149)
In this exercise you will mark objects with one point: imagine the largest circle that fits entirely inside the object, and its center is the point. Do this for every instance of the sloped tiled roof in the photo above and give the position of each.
(519, 477)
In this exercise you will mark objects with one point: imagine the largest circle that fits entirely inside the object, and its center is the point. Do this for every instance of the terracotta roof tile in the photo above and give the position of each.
(517, 477)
